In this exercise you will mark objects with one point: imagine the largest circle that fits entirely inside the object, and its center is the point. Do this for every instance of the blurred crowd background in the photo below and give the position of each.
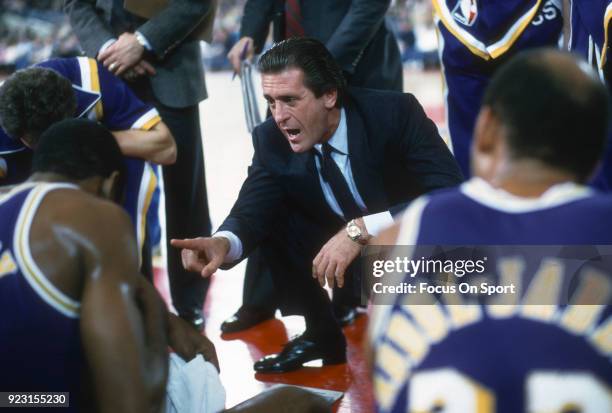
(35, 30)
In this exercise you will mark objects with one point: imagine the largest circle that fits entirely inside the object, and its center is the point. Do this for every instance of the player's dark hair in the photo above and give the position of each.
(321, 72)
(33, 99)
(554, 110)
(78, 149)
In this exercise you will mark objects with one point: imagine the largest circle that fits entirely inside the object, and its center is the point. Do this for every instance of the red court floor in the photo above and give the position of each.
(237, 352)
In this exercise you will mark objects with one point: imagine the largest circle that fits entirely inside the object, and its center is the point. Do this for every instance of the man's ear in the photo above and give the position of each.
(110, 187)
(486, 132)
(330, 98)
(486, 144)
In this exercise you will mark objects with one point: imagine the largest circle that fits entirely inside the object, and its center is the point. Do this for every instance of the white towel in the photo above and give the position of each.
(193, 387)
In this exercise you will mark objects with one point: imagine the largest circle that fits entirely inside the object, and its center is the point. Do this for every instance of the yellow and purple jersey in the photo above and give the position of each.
(102, 97)
(534, 351)
(40, 349)
(588, 36)
(475, 37)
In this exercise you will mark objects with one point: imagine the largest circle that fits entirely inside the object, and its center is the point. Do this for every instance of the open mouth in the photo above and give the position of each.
(292, 132)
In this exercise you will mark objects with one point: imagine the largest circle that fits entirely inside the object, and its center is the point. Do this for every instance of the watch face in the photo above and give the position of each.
(353, 231)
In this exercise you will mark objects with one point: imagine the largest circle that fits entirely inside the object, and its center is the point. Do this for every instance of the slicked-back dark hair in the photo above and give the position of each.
(321, 72)
(553, 109)
(78, 149)
(33, 99)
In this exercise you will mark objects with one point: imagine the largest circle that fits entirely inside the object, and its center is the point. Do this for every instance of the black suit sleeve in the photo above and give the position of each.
(164, 31)
(88, 24)
(258, 205)
(355, 31)
(425, 154)
(256, 19)
(172, 25)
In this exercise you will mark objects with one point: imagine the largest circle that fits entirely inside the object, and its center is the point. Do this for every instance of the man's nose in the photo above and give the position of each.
(280, 113)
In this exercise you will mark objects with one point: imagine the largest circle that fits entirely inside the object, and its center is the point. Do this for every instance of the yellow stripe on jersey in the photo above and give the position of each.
(405, 334)
(499, 48)
(15, 190)
(475, 46)
(464, 37)
(602, 337)
(393, 362)
(147, 120)
(431, 319)
(30, 270)
(385, 391)
(540, 300)
(146, 203)
(607, 17)
(152, 122)
(95, 86)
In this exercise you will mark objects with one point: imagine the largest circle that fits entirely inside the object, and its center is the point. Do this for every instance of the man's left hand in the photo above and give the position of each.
(334, 258)
(187, 342)
(122, 54)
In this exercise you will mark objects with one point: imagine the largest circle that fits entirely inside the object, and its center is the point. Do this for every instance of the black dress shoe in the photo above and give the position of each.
(345, 314)
(299, 351)
(195, 318)
(245, 318)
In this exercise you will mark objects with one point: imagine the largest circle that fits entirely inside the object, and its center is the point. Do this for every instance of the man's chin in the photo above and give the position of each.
(297, 147)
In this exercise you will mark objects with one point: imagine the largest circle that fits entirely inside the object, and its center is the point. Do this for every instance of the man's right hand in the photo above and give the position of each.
(243, 49)
(203, 255)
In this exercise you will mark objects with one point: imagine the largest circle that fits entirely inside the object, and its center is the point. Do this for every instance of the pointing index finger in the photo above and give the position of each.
(188, 243)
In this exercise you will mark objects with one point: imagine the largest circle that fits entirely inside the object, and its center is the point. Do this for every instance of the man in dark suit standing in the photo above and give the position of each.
(330, 168)
(355, 33)
(161, 58)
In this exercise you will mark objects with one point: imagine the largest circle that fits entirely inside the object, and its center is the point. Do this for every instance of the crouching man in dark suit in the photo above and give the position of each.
(330, 169)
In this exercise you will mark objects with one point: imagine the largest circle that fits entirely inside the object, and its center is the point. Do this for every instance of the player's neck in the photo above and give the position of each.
(529, 178)
(91, 185)
(50, 177)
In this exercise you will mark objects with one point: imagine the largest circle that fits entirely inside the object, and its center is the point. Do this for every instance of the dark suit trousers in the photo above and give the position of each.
(187, 214)
(288, 262)
(258, 291)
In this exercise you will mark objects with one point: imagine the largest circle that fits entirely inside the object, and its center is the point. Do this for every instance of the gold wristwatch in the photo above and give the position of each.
(354, 232)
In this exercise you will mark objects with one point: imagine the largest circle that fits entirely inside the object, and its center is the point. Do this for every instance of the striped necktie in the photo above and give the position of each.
(293, 19)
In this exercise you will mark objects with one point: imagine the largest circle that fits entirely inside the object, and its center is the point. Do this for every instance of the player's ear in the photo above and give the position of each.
(486, 144)
(110, 186)
(486, 131)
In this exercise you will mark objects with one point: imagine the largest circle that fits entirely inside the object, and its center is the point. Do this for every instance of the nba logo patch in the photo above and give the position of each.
(465, 12)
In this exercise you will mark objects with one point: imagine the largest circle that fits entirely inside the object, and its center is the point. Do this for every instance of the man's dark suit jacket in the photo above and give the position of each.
(395, 152)
(354, 31)
(179, 81)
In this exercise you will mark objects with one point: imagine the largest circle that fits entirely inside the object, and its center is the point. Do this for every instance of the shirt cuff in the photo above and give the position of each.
(235, 251)
(106, 45)
(143, 40)
(375, 223)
